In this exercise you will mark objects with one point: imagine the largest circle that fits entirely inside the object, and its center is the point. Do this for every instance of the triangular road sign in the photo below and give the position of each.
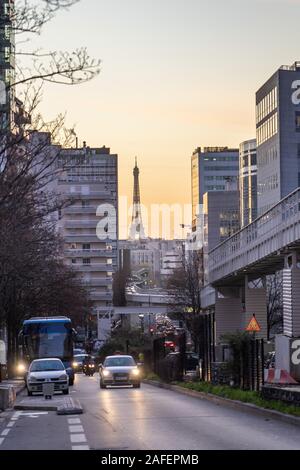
(253, 325)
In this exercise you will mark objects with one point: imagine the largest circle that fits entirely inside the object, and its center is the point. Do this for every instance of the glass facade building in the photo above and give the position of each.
(248, 182)
(211, 168)
(278, 136)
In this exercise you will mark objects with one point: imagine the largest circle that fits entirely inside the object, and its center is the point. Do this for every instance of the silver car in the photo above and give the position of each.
(119, 370)
(43, 371)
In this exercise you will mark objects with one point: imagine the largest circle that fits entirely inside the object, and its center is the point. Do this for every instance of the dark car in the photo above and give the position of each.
(191, 361)
(78, 362)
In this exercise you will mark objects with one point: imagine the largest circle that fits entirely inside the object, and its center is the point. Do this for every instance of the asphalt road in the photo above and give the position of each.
(146, 418)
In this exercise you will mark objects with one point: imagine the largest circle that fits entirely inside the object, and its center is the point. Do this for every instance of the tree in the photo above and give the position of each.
(125, 338)
(33, 278)
(274, 304)
(184, 288)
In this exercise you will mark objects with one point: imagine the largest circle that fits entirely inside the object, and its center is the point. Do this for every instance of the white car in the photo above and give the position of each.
(47, 371)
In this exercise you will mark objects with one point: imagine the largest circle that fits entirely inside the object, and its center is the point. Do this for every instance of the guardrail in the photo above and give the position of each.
(3, 372)
(272, 231)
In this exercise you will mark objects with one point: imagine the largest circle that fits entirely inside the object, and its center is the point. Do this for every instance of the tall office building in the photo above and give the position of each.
(89, 226)
(211, 168)
(220, 220)
(278, 136)
(7, 64)
(248, 182)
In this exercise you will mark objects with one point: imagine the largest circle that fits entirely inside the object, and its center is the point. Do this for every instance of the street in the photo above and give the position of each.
(147, 419)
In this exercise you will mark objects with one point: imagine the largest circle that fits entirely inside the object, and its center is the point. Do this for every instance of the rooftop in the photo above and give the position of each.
(214, 150)
(293, 68)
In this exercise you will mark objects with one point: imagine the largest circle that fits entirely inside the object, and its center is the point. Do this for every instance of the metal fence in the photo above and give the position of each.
(252, 366)
(206, 348)
(3, 372)
(245, 368)
(273, 230)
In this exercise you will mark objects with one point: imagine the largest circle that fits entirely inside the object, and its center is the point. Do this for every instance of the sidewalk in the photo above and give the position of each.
(9, 389)
(18, 384)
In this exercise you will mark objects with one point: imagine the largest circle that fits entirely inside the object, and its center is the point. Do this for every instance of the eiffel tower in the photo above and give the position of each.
(136, 231)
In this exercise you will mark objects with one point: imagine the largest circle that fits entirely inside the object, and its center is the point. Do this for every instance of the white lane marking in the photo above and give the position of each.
(1, 440)
(78, 438)
(15, 418)
(76, 429)
(74, 421)
(34, 413)
(5, 432)
(80, 448)
(10, 424)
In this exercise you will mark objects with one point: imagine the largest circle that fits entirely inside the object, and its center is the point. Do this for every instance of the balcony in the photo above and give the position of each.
(88, 238)
(100, 282)
(80, 224)
(104, 296)
(80, 210)
(102, 195)
(90, 253)
(88, 268)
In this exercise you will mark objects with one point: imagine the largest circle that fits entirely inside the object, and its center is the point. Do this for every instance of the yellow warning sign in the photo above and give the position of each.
(253, 325)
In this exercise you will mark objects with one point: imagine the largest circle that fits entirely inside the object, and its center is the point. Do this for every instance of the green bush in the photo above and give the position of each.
(244, 396)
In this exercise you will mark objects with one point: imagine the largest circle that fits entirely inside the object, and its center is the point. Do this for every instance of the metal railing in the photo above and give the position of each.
(272, 231)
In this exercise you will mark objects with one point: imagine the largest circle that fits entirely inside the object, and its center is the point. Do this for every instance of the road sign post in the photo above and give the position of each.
(253, 325)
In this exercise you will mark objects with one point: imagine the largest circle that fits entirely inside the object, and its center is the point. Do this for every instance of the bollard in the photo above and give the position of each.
(48, 390)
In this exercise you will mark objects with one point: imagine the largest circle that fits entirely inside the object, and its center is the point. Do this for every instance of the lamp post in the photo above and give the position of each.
(141, 317)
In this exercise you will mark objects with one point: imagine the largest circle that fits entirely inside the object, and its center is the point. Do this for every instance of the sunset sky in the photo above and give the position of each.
(176, 74)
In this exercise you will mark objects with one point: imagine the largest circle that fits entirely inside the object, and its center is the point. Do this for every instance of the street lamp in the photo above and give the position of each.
(141, 317)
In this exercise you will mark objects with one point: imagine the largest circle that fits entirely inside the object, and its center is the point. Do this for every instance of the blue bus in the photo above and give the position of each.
(43, 337)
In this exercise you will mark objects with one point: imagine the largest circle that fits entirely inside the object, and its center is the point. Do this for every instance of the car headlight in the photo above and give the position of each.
(21, 368)
(135, 372)
(32, 378)
(91, 365)
(106, 373)
(75, 364)
(63, 377)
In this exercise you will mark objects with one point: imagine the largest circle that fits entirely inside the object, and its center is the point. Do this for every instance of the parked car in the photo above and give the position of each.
(191, 361)
(119, 370)
(47, 371)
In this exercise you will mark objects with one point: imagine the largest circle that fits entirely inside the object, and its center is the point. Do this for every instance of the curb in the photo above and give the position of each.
(20, 389)
(67, 407)
(238, 405)
(36, 407)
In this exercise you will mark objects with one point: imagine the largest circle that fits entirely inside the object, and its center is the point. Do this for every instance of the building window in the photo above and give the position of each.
(85, 203)
(74, 261)
(86, 246)
(297, 121)
(86, 261)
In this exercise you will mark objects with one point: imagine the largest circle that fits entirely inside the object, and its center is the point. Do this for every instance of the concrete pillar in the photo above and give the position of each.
(256, 303)
(287, 345)
(228, 312)
(291, 295)
(236, 306)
